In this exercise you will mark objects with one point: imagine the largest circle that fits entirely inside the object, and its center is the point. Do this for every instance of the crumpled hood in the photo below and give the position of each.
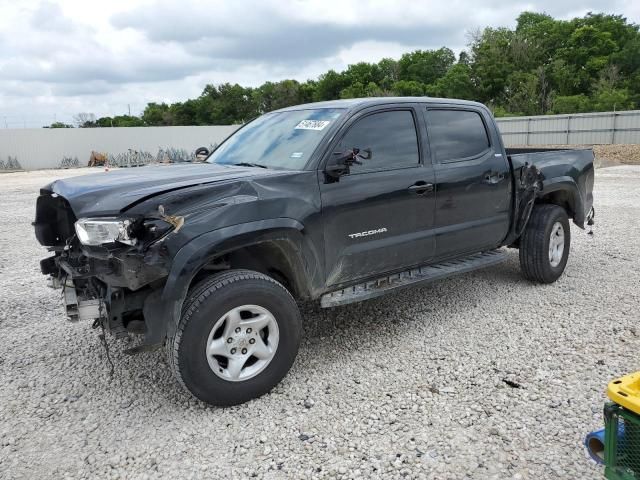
(110, 193)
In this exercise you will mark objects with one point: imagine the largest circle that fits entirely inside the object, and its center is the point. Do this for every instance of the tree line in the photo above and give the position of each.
(542, 66)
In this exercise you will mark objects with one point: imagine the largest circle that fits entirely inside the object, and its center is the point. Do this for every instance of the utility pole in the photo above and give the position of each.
(129, 107)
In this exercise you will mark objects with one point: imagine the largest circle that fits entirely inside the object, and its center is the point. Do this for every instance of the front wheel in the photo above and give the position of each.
(237, 338)
(544, 245)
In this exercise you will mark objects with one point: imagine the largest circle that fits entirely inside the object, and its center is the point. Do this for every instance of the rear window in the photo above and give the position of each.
(456, 134)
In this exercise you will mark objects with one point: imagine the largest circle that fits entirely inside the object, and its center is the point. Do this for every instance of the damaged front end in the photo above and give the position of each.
(106, 267)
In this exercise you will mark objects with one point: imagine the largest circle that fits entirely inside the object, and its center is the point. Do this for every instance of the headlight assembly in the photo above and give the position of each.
(98, 231)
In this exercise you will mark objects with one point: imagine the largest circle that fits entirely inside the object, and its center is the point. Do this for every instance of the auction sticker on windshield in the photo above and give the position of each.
(312, 124)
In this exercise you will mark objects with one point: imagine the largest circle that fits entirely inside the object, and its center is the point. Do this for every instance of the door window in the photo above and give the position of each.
(391, 136)
(456, 134)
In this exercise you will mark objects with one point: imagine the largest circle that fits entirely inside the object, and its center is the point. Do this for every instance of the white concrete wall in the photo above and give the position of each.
(45, 148)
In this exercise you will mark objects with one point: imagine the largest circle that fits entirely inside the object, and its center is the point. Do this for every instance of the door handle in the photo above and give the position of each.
(493, 177)
(421, 187)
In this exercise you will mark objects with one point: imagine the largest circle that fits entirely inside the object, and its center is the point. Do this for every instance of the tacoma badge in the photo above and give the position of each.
(367, 233)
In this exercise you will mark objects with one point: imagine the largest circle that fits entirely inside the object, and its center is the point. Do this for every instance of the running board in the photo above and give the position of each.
(410, 278)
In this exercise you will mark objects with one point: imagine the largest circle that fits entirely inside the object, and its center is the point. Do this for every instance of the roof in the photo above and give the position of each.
(351, 103)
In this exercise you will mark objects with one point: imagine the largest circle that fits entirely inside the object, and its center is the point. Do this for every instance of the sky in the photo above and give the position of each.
(60, 58)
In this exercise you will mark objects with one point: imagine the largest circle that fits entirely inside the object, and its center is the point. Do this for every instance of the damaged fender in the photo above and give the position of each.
(163, 308)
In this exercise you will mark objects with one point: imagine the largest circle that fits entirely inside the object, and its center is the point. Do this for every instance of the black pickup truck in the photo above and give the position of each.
(337, 201)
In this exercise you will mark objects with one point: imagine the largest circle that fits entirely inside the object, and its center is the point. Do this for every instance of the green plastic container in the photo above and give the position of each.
(622, 443)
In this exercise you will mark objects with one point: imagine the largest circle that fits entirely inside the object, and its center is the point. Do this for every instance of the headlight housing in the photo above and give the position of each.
(99, 231)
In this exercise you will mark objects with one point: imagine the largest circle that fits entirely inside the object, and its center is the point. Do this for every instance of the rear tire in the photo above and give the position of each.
(544, 245)
(226, 319)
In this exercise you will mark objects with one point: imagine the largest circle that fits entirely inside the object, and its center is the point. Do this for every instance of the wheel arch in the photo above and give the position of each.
(292, 257)
(564, 192)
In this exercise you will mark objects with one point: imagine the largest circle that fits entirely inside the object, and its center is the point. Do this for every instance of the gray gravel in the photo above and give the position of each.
(413, 385)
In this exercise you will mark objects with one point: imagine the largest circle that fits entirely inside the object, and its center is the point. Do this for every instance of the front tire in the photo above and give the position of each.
(238, 336)
(544, 245)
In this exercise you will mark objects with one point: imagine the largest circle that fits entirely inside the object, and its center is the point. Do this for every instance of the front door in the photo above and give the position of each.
(379, 217)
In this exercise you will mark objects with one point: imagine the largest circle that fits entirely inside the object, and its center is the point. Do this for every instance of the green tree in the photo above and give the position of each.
(308, 91)
(363, 73)
(456, 83)
(223, 105)
(186, 113)
(492, 63)
(571, 104)
(607, 99)
(59, 125)
(389, 73)
(127, 121)
(105, 122)
(425, 66)
(355, 90)
(156, 114)
(408, 88)
(358, 90)
(537, 37)
(330, 85)
(272, 96)
(521, 96)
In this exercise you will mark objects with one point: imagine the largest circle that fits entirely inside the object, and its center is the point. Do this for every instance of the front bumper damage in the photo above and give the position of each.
(78, 309)
(111, 293)
(108, 284)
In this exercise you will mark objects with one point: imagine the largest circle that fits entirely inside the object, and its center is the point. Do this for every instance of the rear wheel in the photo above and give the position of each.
(237, 338)
(544, 245)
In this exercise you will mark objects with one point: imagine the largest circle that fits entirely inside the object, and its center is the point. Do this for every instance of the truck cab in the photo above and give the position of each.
(438, 183)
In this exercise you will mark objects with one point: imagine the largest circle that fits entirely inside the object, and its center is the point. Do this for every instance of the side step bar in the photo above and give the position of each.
(409, 278)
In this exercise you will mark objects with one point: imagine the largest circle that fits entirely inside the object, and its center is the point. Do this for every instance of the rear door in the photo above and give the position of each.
(473, 191)
(379, 217)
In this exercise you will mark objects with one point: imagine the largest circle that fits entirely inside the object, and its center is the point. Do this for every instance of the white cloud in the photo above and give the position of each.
(61, 57)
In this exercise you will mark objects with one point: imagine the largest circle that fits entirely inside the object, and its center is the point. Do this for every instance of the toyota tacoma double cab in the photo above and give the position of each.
(337, 202)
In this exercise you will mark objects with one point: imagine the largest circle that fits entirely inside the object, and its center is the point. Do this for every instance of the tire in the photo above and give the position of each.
(238, 299)
(535, 257)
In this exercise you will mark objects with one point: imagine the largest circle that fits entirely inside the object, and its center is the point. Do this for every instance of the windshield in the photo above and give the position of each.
(280, 140)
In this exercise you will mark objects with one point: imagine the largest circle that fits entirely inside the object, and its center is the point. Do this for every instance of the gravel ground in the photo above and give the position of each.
(413, 385)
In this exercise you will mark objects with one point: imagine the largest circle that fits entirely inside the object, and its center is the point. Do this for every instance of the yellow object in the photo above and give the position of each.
(625, 391)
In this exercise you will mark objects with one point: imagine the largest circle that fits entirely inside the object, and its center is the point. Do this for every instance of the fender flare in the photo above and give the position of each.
(576, 202)
(163, 308)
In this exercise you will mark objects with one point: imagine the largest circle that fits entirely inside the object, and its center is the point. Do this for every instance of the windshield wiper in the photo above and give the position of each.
(247, 164)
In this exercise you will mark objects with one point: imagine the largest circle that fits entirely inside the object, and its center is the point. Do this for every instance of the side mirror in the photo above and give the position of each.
(339, 165)
(340, 162)
(202, 153)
